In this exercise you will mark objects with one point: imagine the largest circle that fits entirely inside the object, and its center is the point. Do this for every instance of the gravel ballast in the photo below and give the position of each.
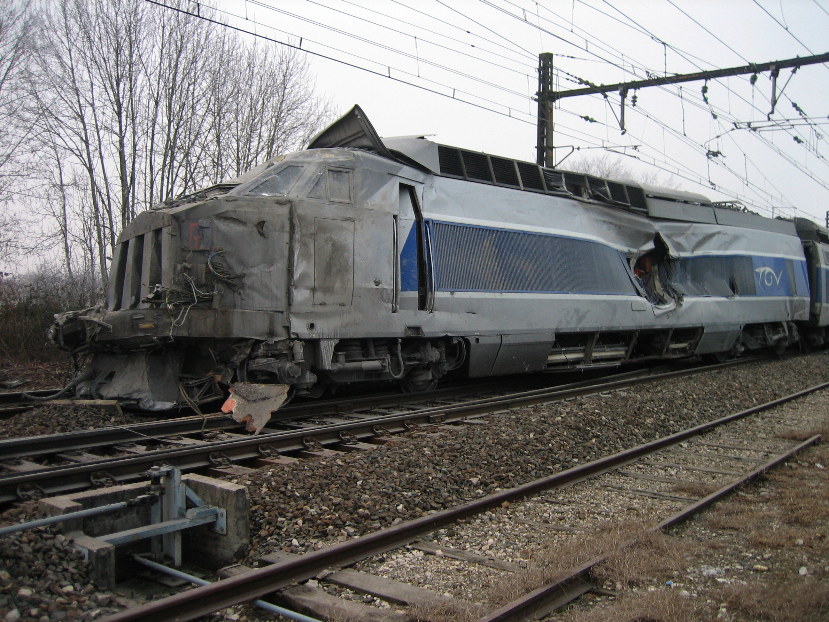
(313, 503)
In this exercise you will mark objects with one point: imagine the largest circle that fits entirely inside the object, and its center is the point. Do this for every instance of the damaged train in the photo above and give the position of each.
(363, 259)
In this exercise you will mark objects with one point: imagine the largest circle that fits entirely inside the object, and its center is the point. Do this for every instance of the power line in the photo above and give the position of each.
(364, 63)
(642, 30)
(487, 28)
(526, 55)
(385, 47)
(784, 27)
(453, 96)
(522, 72)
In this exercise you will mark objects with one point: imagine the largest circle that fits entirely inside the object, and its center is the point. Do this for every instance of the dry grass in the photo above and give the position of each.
(445, 613)
(654, 554)
(729, 516)
(658, 606)
(821, 428)
(633, 554)
(786, 516)
(693, 489)
(801, 600)
(548, 566)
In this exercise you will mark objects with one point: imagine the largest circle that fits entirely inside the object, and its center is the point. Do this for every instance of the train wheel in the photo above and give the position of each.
(419, 381)
(779, 348)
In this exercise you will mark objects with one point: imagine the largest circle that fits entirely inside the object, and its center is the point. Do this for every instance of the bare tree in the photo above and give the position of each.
(176, 102)
(610, 167)
(275, 113)
(16, 27)
(136, 104)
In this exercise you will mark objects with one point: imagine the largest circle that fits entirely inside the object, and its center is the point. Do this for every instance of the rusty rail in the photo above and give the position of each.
(569, 587)
(225, 593)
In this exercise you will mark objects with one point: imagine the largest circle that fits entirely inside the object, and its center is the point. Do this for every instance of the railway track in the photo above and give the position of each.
(13, 403)
(75, 461)
(726, 453)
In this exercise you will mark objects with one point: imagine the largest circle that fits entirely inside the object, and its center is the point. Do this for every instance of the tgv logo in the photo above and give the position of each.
(768, 277)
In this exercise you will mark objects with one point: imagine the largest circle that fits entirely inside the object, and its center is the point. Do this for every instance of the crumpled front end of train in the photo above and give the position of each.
(195, 293)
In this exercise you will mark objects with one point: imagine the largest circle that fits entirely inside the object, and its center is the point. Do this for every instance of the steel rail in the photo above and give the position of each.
(255, 584)
(31, 446)
(13, 403)
(120, 469)
(554, 595)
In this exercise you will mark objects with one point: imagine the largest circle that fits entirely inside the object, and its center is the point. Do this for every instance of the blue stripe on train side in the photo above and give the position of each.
(408, 262)
(475, 258)
(775, 276)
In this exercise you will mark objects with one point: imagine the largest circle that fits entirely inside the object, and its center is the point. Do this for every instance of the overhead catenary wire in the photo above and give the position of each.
(517, 110)
(526, 66)
(783, 26)
(387, 48)
(693, 59)
(506, 112)
(526, 55)
(809, 147)
(651, 35)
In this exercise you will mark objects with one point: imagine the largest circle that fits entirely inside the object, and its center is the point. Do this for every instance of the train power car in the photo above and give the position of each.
(363, 259)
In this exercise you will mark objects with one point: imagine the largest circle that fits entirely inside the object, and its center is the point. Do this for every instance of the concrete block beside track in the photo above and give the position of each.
(200, 545)
(205, 546)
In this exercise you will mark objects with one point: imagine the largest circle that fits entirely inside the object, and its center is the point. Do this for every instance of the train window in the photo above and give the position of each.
(339, 185)
(319, 190)
(277, 184)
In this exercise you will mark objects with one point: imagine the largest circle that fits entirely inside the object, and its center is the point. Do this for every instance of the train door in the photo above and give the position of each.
(415, 289)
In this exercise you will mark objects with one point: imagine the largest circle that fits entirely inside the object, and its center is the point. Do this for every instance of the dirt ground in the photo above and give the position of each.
(27, 375)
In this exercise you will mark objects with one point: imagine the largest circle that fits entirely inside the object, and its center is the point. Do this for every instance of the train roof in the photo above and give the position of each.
(808, 230)
(355, 131)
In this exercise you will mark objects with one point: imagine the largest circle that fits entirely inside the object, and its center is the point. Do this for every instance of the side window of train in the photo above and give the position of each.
(339, 185)
(333, 184)
(277, 184)
(320, 189)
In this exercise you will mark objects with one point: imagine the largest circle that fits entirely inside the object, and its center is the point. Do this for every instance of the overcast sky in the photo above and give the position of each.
(475, 62)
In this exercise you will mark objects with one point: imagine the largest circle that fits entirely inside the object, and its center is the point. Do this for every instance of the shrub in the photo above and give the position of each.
(27, 306)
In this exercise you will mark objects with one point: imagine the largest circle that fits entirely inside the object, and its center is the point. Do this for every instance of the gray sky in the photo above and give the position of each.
(485, 52)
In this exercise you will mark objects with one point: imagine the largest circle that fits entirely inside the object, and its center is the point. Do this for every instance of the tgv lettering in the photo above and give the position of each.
(768, 277)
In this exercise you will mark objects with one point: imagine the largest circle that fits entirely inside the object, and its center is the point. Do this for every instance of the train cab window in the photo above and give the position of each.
(333, 185)
(339, 185)
(319, 190)
(277, 184)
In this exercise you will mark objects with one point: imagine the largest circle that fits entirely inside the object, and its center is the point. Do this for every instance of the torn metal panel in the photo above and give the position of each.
(420, 151)
(252, 404)
(687, 239)
(352, 130)
(149, 381)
